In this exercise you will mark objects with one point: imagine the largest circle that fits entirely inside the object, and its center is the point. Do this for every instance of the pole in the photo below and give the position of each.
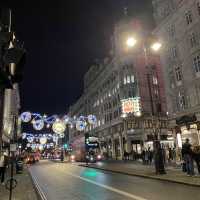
(12, 157)
(158, 153)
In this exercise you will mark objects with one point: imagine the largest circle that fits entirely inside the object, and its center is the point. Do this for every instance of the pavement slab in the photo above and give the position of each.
(24, 190)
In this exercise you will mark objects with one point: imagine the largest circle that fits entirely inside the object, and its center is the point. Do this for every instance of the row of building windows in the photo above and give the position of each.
(178, 69)
(110, 116)
(129, 79)
(134, 124)
(107, 95)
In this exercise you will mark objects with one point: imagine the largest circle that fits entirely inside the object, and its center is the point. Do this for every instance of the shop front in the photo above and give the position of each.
(187, 127)
(167, 140)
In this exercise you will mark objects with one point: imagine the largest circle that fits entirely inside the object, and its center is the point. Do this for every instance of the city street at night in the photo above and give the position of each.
(100, 100)
(63, 181)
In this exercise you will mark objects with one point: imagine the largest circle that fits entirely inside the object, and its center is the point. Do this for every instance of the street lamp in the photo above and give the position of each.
(131, 42)
(156, 46)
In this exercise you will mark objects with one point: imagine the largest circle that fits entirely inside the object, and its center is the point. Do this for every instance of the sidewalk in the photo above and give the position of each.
(24, 190)
(174, 174)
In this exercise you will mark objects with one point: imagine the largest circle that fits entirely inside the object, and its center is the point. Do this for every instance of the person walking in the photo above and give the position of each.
(150, 156)
(125, 156)
(196, 157)
(146, 157)
(187, 156)
(2, 167)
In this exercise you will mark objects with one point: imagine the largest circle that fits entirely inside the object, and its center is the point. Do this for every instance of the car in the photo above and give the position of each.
(30, 159)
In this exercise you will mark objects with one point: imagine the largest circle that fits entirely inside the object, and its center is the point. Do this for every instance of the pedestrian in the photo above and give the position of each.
(146, 157)
(170, 154)
(125, 155)
(167, 155)
(150, 156)
(3, 164)
(159, 158)
(134, 155)
(187, 156)
(143, 156)
(196, 157)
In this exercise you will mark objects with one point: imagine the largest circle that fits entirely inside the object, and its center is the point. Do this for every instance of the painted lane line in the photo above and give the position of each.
(41, 193)
(135, 197)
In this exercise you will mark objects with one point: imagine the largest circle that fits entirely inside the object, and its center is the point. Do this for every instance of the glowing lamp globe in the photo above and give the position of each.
(26, 116)
(59, 127)
(130, 42)
(92, 119)
(80, 125)
(30, 139)
(43, 140)
(38, 125)
(23, 135)
(41, 147)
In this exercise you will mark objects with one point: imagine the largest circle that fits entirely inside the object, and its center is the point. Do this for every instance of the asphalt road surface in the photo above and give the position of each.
(62, 181)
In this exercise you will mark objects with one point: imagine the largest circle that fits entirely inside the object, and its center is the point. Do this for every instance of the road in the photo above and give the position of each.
(62, 181)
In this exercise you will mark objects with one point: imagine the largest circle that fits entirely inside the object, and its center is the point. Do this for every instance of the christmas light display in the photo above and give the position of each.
(58, 124)
(43, 140)
(59, 127)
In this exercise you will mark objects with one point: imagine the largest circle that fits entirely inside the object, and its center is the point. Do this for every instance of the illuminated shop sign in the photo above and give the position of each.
(131, 105)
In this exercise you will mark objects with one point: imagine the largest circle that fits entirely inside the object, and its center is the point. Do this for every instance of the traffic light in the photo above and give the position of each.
(65, 146)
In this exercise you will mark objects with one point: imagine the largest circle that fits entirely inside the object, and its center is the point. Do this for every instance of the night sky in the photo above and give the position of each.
(62, 39)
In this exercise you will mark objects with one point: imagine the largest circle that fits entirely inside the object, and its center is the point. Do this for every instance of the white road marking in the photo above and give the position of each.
(36, 182)
(107, 187)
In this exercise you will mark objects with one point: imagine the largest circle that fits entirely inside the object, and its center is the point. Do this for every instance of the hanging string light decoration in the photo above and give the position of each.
(43, 140)
(38, 125)
(59, 127)
(80, 125)
(57, 124)
(26, 117)
(92, 119)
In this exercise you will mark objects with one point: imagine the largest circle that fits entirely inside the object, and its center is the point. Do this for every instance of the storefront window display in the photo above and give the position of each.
(192, 133)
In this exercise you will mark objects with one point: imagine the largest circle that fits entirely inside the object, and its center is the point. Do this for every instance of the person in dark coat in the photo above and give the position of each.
(159, 158)
(196, 156)
(3, 165)
(187, 155)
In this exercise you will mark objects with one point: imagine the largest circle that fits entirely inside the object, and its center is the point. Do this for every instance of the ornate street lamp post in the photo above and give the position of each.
(158, 153)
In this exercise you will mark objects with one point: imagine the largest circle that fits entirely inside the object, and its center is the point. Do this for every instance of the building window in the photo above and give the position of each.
(171, 31)
(188, 17)
(196, 63)
(174, 52)
(182, 101)
(156, 93)
(128, 79)
(178, 73)
(132, 79)
(198, 7)
(193, 41)
(125, 81)
(155, 80)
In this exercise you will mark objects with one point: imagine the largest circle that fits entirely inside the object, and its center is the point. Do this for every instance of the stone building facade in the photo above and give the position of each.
(178, 27)
(125, 75)
(11, 122)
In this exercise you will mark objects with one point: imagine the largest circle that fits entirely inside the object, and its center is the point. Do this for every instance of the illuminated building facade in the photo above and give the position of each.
(123, 92)
(178, 27)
